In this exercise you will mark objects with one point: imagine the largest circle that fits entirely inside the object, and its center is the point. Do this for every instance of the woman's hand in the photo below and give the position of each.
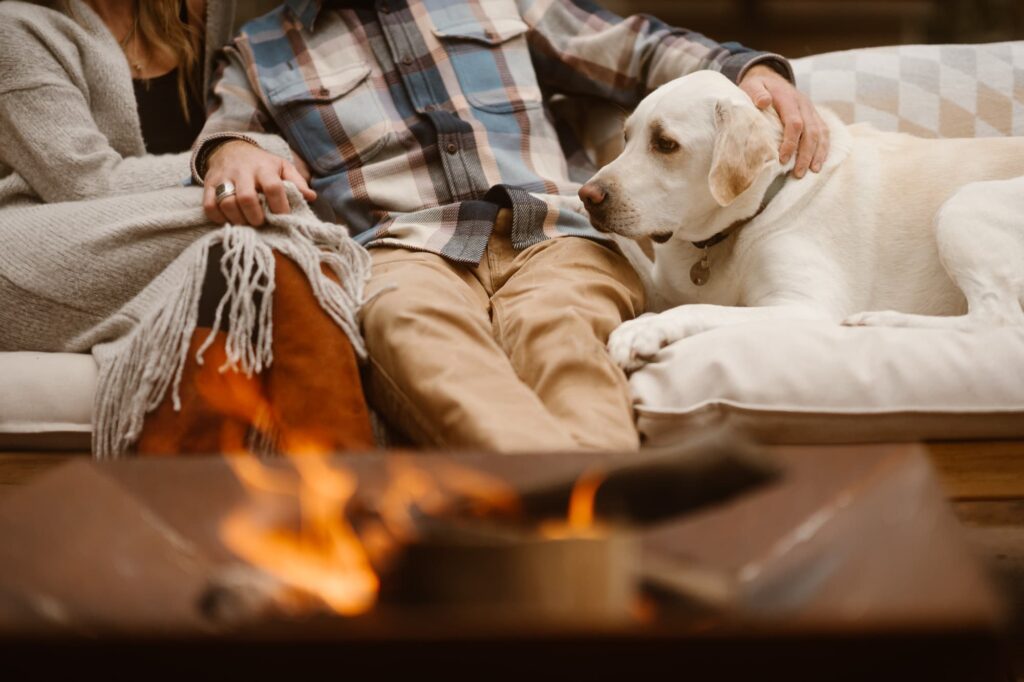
(253, 171)
(804, 131)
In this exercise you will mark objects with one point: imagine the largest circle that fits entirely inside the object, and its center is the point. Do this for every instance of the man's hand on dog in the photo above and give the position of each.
(805, 132)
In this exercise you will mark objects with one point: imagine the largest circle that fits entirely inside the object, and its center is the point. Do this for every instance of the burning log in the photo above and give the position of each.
(657, 485)
(240, 594)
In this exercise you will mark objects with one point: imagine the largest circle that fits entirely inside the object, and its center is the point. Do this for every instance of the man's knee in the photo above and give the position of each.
(599, 268)
(415, 304)
(391, 312)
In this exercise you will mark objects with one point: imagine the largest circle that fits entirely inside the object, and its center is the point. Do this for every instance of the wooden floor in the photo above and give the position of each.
(17, 468)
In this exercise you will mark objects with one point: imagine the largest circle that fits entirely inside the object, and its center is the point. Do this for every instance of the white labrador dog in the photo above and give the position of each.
(929, 232)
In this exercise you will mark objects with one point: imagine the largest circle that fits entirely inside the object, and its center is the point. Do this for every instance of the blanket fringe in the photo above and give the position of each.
(152, 359)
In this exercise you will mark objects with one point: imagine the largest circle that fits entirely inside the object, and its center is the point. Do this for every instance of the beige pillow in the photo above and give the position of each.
(46, 400)
(800, 382)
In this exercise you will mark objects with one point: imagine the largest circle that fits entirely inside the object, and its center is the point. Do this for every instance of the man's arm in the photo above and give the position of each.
(239, 144)
(579, 48)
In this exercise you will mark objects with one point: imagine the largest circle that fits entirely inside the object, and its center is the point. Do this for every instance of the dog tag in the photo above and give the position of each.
(700, 273)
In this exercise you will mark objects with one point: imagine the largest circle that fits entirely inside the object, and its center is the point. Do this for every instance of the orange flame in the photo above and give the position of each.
(412, 487)
(325, 556)
(582, 501)
(581, 519)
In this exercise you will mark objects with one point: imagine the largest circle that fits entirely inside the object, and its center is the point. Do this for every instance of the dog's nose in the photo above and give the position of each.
(593, 194)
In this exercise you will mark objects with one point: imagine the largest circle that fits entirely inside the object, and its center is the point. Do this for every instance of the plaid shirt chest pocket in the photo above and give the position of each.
(335, 119)
(492, 61)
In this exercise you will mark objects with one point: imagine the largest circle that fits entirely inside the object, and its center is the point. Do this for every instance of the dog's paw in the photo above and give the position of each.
(635, 342)
(879, 318)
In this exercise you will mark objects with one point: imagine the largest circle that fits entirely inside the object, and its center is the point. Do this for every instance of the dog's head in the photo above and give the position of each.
(693, 148)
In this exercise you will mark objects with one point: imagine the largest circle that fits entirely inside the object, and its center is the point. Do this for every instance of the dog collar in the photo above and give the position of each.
(700, 273)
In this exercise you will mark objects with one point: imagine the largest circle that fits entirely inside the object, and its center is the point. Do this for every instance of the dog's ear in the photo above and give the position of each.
(743, 148)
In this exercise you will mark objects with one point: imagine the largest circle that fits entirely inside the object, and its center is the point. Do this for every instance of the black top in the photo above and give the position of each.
(351, 4)
(164, 128)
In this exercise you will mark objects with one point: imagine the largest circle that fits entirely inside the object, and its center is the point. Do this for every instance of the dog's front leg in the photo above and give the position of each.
(633, 344)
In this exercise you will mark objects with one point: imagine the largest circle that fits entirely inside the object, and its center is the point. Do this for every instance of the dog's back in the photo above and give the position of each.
(880, 209)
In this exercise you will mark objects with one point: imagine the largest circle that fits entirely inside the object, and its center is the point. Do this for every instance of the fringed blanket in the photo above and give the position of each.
(126, 284)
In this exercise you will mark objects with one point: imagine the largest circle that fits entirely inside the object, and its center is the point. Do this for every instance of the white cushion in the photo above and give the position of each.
(790, 382)
(46, 400)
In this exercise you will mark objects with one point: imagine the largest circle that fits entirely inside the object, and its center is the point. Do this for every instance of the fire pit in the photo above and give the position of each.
(850, 555)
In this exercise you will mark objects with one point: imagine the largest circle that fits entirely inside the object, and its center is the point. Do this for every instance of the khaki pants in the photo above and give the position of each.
(508, 356)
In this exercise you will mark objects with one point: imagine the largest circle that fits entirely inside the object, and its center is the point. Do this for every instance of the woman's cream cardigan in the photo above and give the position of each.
(103, 248)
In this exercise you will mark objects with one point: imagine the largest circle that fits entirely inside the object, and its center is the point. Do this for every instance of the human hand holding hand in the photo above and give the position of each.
(253, 171)
(805, 133)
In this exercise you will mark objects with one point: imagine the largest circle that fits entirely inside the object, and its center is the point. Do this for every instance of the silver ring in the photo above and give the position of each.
(224, 190)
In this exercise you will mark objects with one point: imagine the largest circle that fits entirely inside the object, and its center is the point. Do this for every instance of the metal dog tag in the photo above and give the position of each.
(700, 273)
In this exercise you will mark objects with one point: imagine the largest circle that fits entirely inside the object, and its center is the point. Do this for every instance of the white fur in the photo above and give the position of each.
(930, 231)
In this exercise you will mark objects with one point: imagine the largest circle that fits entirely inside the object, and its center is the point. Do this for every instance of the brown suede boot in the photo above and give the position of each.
(216, 408)
(314, 386)
(311, 397)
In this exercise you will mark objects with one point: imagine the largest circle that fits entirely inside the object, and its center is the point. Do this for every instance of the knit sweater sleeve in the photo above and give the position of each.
(48, 134)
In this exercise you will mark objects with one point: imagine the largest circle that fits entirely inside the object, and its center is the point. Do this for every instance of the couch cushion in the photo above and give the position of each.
(46, 400)
(791, 382)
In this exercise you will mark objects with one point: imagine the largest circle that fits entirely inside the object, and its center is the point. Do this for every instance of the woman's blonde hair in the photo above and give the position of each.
(161, 28)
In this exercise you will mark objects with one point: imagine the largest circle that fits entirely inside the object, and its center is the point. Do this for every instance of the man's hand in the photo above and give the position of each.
(804, 131)
(253, 172)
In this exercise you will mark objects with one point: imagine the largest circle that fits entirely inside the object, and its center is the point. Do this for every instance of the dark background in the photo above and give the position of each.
(797, 28)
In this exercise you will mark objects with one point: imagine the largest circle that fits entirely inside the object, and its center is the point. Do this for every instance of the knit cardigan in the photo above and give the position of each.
(103, 248)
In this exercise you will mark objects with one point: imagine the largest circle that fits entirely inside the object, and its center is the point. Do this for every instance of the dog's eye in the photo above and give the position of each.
(665, 145)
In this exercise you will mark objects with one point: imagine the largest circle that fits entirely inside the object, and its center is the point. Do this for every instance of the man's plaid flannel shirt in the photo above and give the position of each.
(420, 118)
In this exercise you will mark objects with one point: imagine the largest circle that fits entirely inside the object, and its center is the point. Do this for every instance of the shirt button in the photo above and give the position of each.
(452, 148)
(430, 107)
(384, 9)
(407, 60)
(489, 34)
(323, 92)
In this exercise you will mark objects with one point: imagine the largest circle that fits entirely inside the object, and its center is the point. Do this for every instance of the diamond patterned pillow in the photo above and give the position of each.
(924, 90)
